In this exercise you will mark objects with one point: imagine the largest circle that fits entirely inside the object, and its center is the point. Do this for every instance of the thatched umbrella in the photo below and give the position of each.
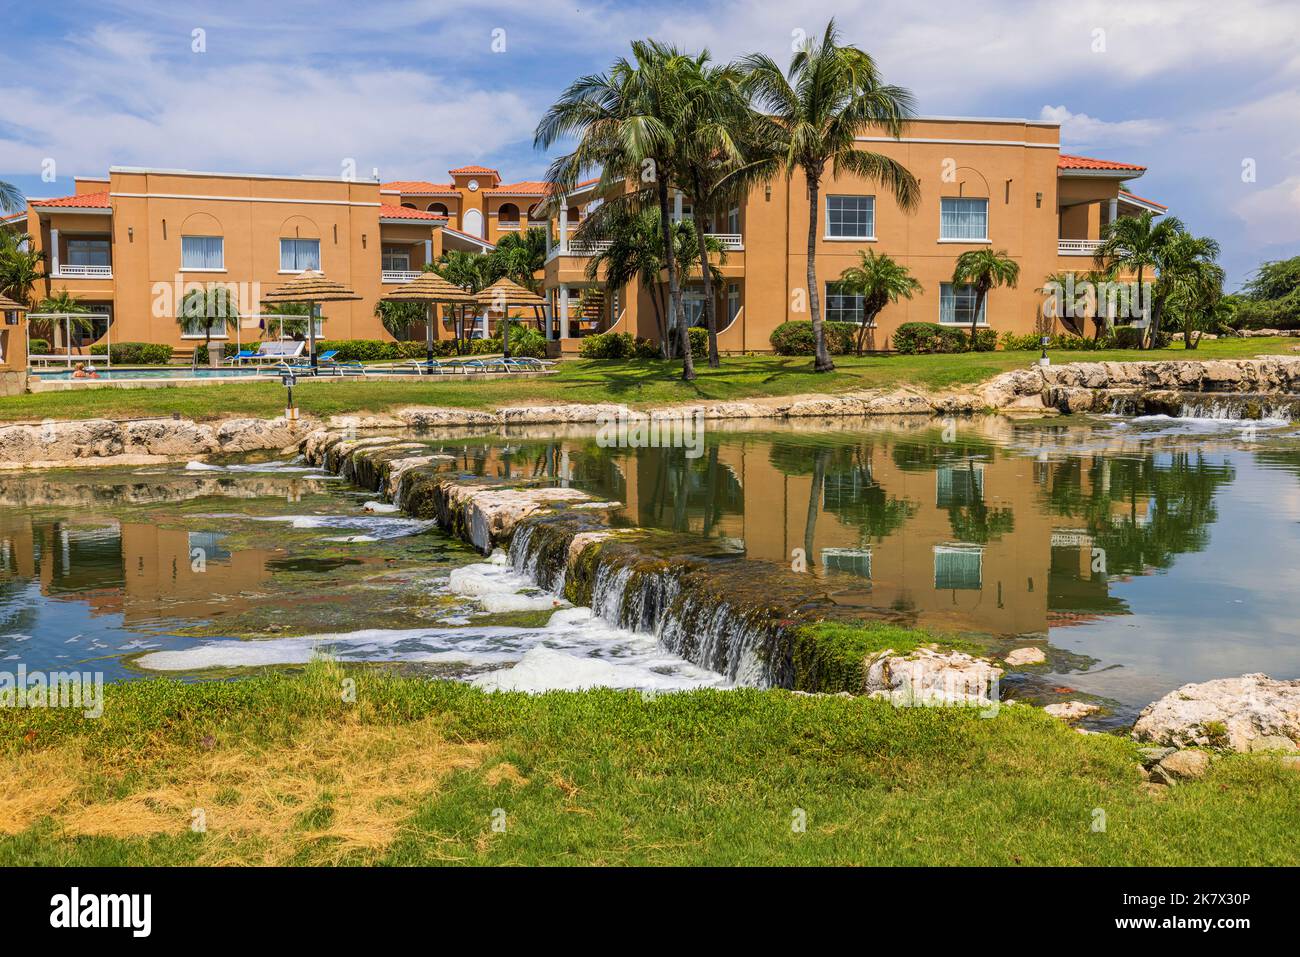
(311, 287)
(503, 294)
(431, 289)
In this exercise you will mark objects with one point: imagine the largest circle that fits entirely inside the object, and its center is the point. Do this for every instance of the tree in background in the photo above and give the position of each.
(879, 280)
(1135, 244)
(813, 116)
(984, 269)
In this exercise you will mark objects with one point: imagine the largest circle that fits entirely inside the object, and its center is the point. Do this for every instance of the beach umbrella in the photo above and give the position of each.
(431, 289)
(504, 294)
(311, 287)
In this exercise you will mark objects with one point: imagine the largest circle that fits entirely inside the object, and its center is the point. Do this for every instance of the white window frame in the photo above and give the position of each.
(217, 333)
(221, 268)
(826, 303)
(954, 549)
(830, 237)
(967, 240)
(385, 259)
(962, 323)
(96, 241)
(733, 297)
(294, 239)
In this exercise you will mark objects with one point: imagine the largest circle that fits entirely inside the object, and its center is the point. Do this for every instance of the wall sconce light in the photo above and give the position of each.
(1038, 200)
(164, 229)
(130, 234)
(363, 240)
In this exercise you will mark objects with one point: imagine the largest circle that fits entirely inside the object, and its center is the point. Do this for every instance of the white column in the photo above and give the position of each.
(564, 312)
(1114, 210)
(54, 252)
(548, 238)
(428, 251)
(564, 231)
(677, 206)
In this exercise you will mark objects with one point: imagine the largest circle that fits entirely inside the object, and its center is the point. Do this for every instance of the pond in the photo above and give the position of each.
(1146, 552)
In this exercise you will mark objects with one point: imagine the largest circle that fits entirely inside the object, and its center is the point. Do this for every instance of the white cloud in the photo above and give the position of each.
(1080, 129)
(1272, 213)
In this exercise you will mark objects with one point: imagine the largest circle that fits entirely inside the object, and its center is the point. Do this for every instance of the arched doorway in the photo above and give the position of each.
(473, 223)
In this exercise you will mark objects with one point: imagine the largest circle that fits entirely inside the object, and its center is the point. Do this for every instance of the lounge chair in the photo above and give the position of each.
(243, 355)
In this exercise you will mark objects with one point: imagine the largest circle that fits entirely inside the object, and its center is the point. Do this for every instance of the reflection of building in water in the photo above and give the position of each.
(131, 569)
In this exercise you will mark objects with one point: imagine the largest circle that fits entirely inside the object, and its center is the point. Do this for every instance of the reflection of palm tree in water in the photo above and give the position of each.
(820, 458)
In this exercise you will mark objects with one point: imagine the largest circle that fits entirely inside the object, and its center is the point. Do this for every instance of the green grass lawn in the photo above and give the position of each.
(635, 383)
(279, 769)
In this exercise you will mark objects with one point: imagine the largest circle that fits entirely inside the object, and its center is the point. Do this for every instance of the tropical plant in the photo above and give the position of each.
(208, 307)
(74, 316)
(520, 255)
(1190, 285)
(634, 251)
(879, 280)
(984, 269)
(624, 121)
(813, 115)
(11, 200)
(20, 266)
(1135, 244)
(397, 318)
(288, 318)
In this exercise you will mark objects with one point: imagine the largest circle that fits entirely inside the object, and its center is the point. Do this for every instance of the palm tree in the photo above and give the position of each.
(520, 255)
(20, 266)
(984, 269)
(624, 120)
(398, 317)
(1135, 244)
(1190, 282)
(815, 113)
(11, 200)
(879, 280)
(212, 305)
(75, 315)
(634, 253)
(471, 272)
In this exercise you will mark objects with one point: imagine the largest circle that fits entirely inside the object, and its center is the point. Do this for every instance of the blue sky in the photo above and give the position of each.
(1196, 91)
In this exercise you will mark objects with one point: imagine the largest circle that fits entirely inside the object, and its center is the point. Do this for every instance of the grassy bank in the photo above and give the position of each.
(281, 769)
(635, 383)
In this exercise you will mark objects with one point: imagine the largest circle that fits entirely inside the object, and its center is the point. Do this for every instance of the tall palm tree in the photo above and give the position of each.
(879, 280)
(1135, 244)
(1190, 283)
(623, 120)
(984, 269)
(11, 200)
(635, 251)
(816, 110)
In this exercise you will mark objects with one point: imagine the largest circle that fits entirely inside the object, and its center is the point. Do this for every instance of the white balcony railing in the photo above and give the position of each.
(69, 271)
(401, 275)
(580, 249)
(1077, 247)
(732, 242)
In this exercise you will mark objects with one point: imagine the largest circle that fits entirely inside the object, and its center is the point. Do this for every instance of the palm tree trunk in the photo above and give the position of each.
(657, 299)
(980, 293)
(710, 307)
(822, 361)
(814, 504)
(677, 313)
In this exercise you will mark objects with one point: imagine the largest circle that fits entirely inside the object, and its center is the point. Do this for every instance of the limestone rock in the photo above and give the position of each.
(1186, 764)
(428, 418)
(254, 435)
(1026, 656)
(926, 676)
(1225, 712)
(1071, 710)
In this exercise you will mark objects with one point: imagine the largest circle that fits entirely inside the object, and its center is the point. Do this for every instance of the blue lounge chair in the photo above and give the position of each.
(240, 357)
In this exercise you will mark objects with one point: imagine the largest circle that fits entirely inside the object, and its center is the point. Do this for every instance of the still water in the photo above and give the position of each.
(1145, 553)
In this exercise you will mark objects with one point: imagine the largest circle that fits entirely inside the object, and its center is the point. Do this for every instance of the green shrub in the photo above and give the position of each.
(1062, 342)
(795, 338)
(1267, 314)
(40, 347)
(136, 353)
(608, 345)
(1130, 337)
(922, 338)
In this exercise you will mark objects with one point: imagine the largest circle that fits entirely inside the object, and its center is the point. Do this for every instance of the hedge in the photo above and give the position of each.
(39, 347)
(796, 338)
(134, 353)
(919, 338)
(621, 345)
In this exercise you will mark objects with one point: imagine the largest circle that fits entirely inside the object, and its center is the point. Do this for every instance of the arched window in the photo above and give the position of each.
(573, 214)
(438, 209)
(535, 212)
(408, 206)
(508, 213)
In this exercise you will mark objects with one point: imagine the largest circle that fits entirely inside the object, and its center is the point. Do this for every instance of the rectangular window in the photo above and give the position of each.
(959, 485)
(957, 304)
(88, 252)
(959, 567)
(733, 301)
(396, 259)
(299, 254)
(733, 220)
(854, 561)
(203, 252)
(842, 306)
(851, 217)
(961, 218)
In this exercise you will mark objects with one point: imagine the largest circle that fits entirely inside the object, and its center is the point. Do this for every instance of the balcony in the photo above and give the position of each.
(731, 242)
(72, 271)
(580, 249)
(1077, 247)
(400, 275)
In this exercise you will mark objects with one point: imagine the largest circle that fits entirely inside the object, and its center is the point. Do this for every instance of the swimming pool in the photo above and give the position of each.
(164, 372)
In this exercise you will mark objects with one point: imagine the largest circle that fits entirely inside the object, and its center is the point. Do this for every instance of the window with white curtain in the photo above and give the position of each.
(203, 252)
(88, 252)
(958, 567)
(961, 218)
(733, 301)
(733, 220)
(851, 217)
(299, 254)
(957, 304)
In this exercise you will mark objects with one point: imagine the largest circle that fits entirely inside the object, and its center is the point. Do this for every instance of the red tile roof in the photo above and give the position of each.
(529, 187)
(84, 201)
(1067, 161)
(405, 212)
(416, 186)
(473, 169)
(1141, 199)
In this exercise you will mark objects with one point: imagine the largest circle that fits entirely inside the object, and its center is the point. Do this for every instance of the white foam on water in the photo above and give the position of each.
(379, 508)
(378, 528)
(276, 466)
(586, 651)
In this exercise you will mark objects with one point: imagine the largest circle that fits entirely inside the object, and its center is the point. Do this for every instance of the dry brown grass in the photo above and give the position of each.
(339, 789)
